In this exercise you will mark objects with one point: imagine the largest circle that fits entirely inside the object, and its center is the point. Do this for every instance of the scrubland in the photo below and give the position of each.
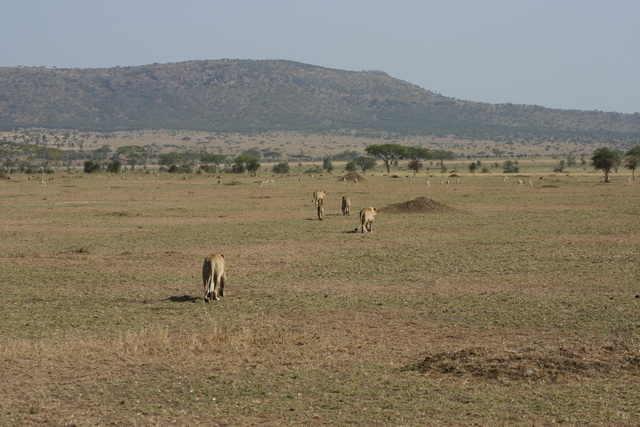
(515, 306)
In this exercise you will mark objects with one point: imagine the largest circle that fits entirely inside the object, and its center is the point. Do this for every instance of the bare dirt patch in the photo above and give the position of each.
(418, 205)
(531, 364)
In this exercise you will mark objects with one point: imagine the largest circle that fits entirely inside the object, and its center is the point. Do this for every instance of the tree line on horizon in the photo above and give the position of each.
(30, 158)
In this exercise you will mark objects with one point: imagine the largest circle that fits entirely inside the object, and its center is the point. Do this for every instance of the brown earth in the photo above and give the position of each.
(418, 205)
(543, 364)
(351, 177)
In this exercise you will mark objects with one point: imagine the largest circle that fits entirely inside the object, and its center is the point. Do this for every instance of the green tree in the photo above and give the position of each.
(253, 165)
(350, 166)
(177, 162)
(272, 154)
(510, 167)
(631, 160)
(327, 165)
(8, 152)
(246, 162)
(133, 155)
(415, 165)
(114, 166)
(281, 168)
(605, 159)
(101, 155)
(388, 153)
(91, 166)
(49, 156)
(216, 159)
(472, 167)
(418, 153)
(346, 155)
(189, 158)
(169, 159)
(29, 153)
(364, 163)
(442, 155)
(252, 152)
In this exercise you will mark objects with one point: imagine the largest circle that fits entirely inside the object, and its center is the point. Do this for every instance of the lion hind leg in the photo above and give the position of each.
(215, 287)
(208, 289)
(221, 286)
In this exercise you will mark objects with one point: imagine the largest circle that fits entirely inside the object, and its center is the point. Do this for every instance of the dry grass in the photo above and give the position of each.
(533, 363)
(513, 306)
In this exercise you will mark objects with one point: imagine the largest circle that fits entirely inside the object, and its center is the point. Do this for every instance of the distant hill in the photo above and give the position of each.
(250, 96)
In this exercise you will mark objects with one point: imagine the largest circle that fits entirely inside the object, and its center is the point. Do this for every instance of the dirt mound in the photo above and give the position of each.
(533, 364)
(351, 177)
(4, 176)
(417, 205)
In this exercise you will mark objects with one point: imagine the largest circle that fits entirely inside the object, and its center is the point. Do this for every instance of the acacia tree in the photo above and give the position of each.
(29, 153)
(418, 153)
(8, 151)
(246, 162)
(216, 159)
(415, 165)
(133, 154)
(631, 160)
(364, 163)
(388, 153)
(605, 160)
(443, 155)
(169, 159)
(101, 155)
(47, 155)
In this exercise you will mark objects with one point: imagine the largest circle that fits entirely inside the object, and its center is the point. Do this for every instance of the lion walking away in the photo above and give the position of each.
(214, 276)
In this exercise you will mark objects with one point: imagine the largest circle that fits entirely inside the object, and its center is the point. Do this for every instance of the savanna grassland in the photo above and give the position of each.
(514, 306)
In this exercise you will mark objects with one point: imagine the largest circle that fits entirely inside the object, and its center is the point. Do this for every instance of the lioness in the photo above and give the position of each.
(318, 195)
(214, 276)
(367, 215)
(346, 205)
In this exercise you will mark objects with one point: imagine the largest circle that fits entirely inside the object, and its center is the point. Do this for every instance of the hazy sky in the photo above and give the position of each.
(571, 54)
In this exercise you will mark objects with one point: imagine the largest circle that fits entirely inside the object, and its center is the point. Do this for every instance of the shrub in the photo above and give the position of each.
(91, 166)
(510, 167)
(114, 166)
(281, 168)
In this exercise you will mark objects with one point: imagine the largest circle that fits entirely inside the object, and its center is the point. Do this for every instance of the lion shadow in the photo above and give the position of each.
(183, 298)
(357, 230)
